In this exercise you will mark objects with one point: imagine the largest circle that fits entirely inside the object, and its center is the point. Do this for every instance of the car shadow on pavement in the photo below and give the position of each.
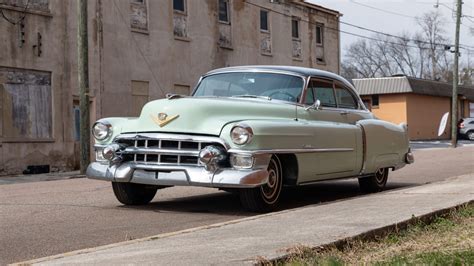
(224, 203)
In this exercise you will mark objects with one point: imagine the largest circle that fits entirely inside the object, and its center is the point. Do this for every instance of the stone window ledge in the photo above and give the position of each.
(146, 32)
(183, 39)
(28, 11)
(226, 47)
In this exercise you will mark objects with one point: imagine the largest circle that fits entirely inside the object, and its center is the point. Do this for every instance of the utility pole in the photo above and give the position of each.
(454, 110)
(83, 76)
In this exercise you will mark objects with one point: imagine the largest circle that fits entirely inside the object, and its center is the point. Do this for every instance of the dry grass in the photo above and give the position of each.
(446, 239)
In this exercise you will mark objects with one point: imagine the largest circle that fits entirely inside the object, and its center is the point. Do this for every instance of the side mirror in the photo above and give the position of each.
(316, 106)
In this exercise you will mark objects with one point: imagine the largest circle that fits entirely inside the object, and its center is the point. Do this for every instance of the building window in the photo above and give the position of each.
(224, 11)
(138, 15)
(36, 5)
(264, 20)
(375, 100)
(77, 122)
(320, 43)
(179, 5)
(367, 104)
(139, 96)
(320, 35)
(295, 29)
(182, 89)
(27, 104)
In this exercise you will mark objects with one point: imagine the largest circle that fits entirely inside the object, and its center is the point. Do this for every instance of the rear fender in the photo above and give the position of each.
(385, 145)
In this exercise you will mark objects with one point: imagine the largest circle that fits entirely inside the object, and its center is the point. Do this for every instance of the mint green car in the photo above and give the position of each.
(251, 130)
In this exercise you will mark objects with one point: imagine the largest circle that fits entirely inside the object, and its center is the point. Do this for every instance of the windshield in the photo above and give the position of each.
(250, 84)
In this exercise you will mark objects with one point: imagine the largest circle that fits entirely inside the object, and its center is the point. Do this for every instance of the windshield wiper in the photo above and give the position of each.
(252, 96)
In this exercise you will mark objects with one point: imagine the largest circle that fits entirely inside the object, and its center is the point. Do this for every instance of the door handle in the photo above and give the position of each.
(344, 113)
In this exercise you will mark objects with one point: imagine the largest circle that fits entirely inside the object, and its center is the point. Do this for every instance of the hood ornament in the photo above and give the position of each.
(162, 119)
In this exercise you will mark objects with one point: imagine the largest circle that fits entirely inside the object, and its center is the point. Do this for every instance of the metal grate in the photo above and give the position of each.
(162, 151)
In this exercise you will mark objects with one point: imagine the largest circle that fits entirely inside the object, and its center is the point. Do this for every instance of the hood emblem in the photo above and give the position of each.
(162, 119)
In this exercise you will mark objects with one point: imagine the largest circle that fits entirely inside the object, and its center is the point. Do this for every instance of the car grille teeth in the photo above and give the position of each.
(162, 151)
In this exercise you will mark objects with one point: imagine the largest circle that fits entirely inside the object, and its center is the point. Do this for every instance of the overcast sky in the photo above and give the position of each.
(395, 16)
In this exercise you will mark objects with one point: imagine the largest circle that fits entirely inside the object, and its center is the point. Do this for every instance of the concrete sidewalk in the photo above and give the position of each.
(269, 236)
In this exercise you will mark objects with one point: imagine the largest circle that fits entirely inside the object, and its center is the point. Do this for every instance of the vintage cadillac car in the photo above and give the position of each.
(251, 130)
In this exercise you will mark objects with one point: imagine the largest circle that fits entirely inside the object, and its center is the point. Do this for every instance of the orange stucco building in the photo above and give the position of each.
(417, 102)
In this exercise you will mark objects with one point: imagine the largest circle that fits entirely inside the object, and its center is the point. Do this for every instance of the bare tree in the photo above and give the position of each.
(433, 33)
(421, 55)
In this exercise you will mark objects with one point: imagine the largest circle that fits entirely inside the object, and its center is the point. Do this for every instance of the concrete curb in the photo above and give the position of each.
(369, 235)
(149, 238)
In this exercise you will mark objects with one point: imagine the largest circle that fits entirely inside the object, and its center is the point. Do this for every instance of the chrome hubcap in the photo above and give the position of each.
(271, 190)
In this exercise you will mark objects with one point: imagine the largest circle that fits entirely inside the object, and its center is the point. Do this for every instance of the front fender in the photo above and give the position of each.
(292, 134)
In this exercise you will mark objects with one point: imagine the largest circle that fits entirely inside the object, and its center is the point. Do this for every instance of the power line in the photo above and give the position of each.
(139, 50)
(403, 15)
(382, 10)
(359, 35)
(400, 37)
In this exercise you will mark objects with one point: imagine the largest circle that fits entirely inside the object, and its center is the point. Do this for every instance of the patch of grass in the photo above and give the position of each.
(445, 240)
(465, 257)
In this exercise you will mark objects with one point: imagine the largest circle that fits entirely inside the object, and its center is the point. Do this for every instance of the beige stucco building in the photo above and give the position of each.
(417, 102)
(139, 50)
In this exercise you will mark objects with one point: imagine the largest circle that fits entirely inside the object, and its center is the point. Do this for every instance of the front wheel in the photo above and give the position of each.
(470, 135)
(374, 183)
(265, 198)
(133, 194)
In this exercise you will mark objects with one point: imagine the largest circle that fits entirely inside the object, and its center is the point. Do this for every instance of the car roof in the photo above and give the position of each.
(302, 71)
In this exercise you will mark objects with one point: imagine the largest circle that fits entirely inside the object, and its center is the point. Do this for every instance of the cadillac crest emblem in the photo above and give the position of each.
(162, 119)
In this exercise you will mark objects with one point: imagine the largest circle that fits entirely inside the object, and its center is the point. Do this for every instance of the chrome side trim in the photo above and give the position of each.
(273, 151)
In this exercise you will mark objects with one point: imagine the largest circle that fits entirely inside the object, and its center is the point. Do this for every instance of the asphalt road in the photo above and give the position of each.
(45, 218)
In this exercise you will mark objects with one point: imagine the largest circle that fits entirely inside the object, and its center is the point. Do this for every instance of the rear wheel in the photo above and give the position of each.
(133, 194)
(265, 198)
(374, 183)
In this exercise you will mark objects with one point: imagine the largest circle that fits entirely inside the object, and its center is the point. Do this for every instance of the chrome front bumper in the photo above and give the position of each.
(171, 175)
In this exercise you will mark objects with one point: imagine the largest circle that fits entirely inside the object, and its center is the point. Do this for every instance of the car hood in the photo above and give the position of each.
(206, 115)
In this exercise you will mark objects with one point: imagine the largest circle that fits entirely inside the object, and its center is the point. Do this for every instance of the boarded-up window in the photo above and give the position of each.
(27, 111)
(139, 96)
(182, 89)
(37, 5)
(138, 15)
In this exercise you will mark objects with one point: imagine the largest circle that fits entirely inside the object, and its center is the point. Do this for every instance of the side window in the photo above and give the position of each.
(344, 97)
(309, 96)
(322, 91)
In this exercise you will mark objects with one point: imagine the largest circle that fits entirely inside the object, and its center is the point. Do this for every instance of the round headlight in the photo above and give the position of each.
(241, 134)
(101, 130)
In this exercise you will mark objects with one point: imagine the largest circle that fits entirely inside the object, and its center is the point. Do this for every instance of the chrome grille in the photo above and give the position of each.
(169, 149)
